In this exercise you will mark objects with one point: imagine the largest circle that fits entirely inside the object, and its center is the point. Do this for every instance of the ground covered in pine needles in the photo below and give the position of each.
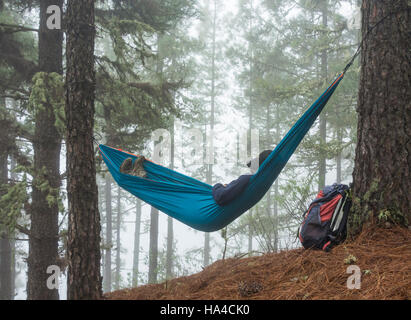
(383, 256)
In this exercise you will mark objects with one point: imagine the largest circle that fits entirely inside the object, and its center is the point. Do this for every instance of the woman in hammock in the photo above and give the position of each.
(223, 193)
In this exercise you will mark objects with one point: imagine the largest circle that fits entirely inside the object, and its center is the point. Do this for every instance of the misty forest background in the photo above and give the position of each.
(212, 65)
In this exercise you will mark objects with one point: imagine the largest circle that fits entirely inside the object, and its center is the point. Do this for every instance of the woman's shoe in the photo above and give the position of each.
(126, 166)
(138, 169)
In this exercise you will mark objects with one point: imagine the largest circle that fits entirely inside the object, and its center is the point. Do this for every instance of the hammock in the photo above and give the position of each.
(191, 201)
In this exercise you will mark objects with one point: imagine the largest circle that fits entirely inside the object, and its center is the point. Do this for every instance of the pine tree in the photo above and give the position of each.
(153, 250)
(5, 234)
(136, 251)
(43, 243)
(83, 244)
(381, 174)
(16, 68)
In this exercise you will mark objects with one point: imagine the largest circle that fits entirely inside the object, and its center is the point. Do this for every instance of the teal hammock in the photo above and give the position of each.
(191, 201)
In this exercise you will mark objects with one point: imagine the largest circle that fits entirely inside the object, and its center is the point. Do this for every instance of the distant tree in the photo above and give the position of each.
(170, 231)
(118, 241)
(153, 250)
(5, 244)
(16, 69)
(108, 233)
(46, 100)
(213, 93)
(382, 173)
(136, 249)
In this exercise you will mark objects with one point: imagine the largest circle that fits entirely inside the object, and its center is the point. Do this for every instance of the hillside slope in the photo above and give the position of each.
(383, 255)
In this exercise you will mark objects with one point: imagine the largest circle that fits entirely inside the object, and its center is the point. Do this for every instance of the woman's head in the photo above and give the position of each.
(261, 158)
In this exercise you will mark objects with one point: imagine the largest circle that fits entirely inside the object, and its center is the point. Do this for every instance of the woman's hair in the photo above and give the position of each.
(262, 156)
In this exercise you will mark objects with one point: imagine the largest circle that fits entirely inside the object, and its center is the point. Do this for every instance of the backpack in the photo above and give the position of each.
(325, 221)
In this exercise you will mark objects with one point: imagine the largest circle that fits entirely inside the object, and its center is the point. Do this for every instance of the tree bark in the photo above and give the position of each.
(381, 177)
(84, 278)
(43, 241)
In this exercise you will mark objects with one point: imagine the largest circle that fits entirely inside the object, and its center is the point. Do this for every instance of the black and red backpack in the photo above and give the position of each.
(325, 221)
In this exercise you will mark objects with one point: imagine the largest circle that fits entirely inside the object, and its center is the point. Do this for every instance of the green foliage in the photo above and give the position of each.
(138, 77)
(47, 95)
(393, 215)
(13, 202)
(53, 196)
(350, 259)
(363, 209)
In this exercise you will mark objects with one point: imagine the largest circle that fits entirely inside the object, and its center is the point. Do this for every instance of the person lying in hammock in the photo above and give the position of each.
(225, 193)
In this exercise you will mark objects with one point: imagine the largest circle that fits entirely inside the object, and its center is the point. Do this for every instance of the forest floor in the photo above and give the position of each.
(383, 256)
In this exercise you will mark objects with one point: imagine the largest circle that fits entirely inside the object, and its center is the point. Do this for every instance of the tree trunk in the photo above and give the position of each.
(209, 178)
(276, 189)
(136, 253)
(339, 155)
(101, 210)
(5, 245)
(169, 257)
(250, 234)
(43, 241)
(13, 176)
(250, 122)
(118, 242)
(322, 169)
(276, 216)
(268, 231)
(153, 251)
(109, 235)
(206, 254)
(382, 177)
(84, 278)
(170, 234)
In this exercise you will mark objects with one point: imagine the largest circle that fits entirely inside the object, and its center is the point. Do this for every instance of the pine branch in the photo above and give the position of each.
(17, 28)
(19, 228)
